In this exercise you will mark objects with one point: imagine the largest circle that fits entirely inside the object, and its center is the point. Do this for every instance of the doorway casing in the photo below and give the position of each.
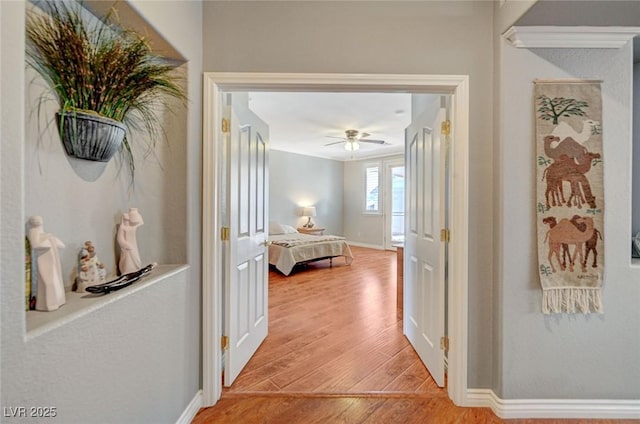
(215, 83)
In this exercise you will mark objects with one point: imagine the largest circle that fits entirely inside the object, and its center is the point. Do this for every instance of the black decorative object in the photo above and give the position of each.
(89, 136)
(122, 281)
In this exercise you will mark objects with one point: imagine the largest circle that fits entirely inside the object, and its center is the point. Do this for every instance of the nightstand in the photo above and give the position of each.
(313, 231)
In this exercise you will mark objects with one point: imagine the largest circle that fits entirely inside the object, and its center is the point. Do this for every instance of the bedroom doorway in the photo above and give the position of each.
(215, 84)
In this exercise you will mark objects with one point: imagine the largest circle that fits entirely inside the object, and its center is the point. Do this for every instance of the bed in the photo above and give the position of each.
(289, 248)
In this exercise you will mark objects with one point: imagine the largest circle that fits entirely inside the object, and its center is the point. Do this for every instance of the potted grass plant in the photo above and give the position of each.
(105, 80)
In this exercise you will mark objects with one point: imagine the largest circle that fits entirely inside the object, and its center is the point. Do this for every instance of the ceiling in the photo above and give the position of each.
(304, 123)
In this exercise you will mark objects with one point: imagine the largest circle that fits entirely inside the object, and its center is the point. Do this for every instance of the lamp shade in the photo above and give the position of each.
(309, 211)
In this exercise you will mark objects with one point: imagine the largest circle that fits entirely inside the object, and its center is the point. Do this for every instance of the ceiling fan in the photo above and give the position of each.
(353, 139)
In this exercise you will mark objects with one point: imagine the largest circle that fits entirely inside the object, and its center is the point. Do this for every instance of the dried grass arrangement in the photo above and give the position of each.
(97, 68)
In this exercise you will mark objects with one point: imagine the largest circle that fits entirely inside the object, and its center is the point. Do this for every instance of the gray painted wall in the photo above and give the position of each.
(382, 37)
(152, 336)
(587, 357)
(298, 180)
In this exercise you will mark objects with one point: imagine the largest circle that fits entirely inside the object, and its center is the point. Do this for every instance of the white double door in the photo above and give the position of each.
(246, 273)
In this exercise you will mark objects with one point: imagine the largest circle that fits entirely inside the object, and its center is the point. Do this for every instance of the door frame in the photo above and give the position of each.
(388, 199)
(214, 83)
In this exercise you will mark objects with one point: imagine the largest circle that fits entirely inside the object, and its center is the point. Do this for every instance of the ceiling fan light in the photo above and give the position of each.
(351, 146)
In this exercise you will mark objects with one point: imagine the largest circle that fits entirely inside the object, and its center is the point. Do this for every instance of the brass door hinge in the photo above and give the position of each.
(224, 342)
(444, 343)
(225, 125)
(445, 235)
(224, 233)
(445, 127)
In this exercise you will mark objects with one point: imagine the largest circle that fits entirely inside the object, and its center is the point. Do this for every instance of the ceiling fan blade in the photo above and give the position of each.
(333, 136)
(373, 141)
(337, 142)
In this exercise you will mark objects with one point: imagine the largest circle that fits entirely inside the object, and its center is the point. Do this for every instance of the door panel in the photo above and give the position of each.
(427, 191)
(412, 159)
(246, 288)
(424, 269)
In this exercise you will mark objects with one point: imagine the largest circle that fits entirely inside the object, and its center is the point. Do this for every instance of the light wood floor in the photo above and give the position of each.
(336, 330)
(336, 354)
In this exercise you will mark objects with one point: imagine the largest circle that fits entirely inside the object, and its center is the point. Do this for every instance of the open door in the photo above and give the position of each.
(246, 273)
(424, 267)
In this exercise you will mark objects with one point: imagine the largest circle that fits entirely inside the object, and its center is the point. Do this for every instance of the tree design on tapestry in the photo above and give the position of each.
(553, 109)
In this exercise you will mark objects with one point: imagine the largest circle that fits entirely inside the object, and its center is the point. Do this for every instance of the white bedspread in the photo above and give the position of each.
(305, 247)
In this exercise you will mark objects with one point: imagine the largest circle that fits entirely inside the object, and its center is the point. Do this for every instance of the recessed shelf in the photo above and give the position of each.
(81, 304)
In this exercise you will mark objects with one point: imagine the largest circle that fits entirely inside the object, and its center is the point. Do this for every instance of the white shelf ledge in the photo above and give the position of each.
(81, 304)
(571, 37)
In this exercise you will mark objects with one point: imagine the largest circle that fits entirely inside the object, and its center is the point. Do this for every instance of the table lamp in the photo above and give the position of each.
(309, 212)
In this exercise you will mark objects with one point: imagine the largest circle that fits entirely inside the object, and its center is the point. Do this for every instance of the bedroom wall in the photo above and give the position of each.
(562, 356)
(399, 37)
(155, 334)
(362, 228)
(298, 180)
(422, 102)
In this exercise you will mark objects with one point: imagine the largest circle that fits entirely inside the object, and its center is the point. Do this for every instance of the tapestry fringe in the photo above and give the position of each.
(571, 300)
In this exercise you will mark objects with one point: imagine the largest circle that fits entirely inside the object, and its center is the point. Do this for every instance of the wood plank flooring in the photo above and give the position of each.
(341, 409)
(336, 354)
(285, 409)
(335, 330)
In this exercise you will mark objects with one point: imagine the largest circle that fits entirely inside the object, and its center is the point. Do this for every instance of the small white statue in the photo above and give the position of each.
(90, 270)
(129, 255)
(50, 285)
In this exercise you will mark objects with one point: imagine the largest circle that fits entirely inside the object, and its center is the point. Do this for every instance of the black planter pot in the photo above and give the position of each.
(89, 137)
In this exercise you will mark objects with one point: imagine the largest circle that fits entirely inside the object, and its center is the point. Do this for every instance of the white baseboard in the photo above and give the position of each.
(370, 246)
(191, 410)
(554, 408)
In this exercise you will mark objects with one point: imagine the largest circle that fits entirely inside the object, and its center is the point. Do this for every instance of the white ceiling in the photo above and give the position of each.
(302, 122)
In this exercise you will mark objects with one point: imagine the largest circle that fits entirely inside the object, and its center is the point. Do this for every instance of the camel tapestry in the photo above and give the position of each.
(569, 195)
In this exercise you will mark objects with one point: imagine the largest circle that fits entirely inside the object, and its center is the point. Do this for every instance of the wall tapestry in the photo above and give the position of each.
(569, 195)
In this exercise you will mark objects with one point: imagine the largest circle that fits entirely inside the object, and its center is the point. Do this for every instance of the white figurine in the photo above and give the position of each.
(50, 292)
(129, 255)
(91, 271)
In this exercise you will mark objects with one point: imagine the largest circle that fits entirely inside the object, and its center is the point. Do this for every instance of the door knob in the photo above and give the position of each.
(266, 243)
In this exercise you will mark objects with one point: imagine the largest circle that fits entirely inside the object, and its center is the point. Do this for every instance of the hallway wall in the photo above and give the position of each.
(561, 356)
(135, 357)
(435, 37)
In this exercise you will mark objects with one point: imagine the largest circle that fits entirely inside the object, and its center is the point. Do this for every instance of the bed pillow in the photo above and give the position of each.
(275, 228)
(288, 229)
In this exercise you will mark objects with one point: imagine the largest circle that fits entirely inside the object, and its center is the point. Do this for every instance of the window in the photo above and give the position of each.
(372, 188)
